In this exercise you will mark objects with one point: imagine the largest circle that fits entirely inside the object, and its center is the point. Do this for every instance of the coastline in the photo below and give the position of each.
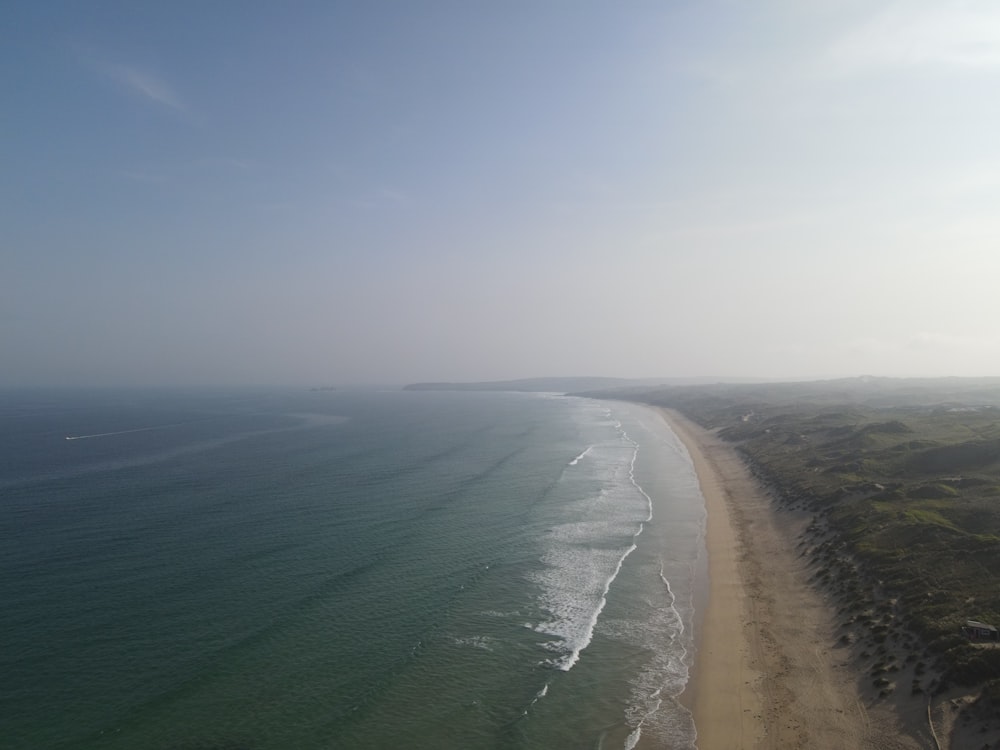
(766, 673)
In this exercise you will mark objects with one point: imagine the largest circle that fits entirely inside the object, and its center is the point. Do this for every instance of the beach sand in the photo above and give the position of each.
(768, 672)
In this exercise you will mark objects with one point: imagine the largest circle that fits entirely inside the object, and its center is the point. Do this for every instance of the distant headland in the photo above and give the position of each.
(541, 385)
(565, 384)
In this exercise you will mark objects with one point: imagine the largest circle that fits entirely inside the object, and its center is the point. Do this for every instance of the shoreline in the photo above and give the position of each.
(765, 674)
(720, 686)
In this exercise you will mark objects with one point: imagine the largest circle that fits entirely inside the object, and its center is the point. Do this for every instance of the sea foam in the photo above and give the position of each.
(586, 555)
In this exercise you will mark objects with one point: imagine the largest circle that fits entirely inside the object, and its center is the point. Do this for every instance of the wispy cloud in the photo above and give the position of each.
(144, 84)
(957, 34)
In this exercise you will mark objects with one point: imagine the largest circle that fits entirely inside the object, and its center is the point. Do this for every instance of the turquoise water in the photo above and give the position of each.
(348, 569)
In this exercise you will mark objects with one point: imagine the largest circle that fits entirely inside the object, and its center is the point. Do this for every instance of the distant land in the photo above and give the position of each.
(865, 390)
(566, 384)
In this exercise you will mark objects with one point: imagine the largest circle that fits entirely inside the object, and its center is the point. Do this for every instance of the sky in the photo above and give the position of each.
(323, 193)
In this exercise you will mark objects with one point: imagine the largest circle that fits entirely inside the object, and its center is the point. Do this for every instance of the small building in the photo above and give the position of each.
(980, 631)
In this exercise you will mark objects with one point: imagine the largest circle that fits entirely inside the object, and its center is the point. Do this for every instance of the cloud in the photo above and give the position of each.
(146, 85)
(956, 34)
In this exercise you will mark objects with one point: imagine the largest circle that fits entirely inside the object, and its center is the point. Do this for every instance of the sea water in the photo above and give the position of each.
(263, 569)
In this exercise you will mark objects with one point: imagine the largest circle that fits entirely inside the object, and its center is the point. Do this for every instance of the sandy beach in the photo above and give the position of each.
(767, 673)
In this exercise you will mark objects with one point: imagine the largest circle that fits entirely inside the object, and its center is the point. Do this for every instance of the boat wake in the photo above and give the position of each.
(126, 432)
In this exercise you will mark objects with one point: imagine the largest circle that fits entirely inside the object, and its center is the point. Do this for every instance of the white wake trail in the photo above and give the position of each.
(124, 432)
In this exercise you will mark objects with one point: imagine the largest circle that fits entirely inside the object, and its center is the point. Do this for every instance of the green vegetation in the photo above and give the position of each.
(903, 481)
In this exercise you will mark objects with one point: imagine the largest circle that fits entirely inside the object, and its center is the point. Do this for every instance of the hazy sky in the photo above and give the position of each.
(334, 192)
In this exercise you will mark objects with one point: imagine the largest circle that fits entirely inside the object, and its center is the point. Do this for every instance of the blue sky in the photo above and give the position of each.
(386, 191)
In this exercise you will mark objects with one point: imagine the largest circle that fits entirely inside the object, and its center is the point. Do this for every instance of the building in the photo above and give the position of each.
(980, 631)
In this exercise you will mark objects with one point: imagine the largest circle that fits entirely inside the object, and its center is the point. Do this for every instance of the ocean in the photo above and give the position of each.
(261, 568)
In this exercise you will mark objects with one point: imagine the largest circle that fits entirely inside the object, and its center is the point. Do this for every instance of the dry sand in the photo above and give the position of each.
(767, 672)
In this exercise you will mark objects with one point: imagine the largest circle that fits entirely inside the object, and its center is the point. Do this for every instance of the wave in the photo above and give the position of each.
(482, 642)
(585, 557)
(581, 567)
(538, 696)
(573, 657)
(667, 673)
